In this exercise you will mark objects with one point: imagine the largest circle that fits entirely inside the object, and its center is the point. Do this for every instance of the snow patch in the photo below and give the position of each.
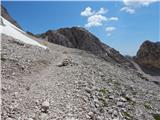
(11, 30)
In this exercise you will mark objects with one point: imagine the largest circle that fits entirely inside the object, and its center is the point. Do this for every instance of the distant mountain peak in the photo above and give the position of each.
(148, 54)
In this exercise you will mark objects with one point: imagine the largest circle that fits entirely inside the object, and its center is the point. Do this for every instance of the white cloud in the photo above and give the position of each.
(138, 2)
(113, 19)
(95, 20)
(110, 29)
(128, 10)
(87, 12)
(102, 11)
(132, 5)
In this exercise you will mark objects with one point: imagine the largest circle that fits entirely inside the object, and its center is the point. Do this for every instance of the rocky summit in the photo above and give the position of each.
(148, 55)
(61, 82)
(80, 38)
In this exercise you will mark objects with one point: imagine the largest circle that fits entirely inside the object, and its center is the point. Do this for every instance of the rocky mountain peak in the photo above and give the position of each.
(148, 54)
(80, 38)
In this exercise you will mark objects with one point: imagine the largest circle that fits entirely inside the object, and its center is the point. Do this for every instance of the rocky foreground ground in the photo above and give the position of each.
(69, 84)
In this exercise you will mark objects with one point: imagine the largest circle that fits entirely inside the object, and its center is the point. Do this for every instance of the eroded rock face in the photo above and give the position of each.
(149, 55)
(6, 15)
(77, 37)
(57, 38)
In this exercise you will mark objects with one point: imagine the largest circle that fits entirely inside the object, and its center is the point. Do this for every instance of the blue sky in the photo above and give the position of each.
(122, 25)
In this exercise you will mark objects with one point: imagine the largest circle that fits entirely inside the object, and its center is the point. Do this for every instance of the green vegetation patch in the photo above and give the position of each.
(104, 102)
(128, 98)
(104, 91)
(147, 106)
(127, 116)
(156, 116)
(3, 59)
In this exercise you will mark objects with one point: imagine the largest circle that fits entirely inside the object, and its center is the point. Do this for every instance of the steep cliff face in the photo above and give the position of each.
(80, 38)
(5, 14)
(148, 55)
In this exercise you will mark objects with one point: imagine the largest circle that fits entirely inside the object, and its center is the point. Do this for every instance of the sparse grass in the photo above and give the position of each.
(103, 101)
(3, 59)
(104, 91)
(128, 99)
(40, 35)
(127, 116)
(45, 43)
(156, 116)
(147, 106)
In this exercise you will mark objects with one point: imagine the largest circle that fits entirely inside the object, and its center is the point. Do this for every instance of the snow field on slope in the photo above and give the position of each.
(9, 29)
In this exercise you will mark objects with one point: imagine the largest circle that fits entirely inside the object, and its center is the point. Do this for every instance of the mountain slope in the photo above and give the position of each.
(5, 14)
(85, 88)
(82, 39)
(63, 83)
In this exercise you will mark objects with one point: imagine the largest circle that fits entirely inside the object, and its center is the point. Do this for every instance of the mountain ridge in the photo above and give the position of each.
(80, 38)
(7, 16)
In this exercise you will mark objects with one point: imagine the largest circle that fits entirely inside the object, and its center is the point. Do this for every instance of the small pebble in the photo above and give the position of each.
(9, 118)
(45, 106)
(43, 116)
(120, 104)
(30, 119)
